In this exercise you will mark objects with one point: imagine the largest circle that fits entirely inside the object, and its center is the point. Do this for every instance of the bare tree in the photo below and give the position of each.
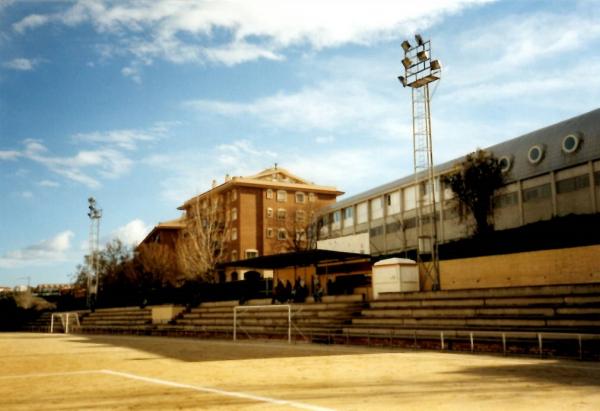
(203, 242)
(301, 229)
(157, 264)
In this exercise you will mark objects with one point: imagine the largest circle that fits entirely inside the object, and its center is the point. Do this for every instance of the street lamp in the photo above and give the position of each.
(419, 72)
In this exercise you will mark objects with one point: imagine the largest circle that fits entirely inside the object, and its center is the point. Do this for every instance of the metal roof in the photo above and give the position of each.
(295, 259)
(586, 126)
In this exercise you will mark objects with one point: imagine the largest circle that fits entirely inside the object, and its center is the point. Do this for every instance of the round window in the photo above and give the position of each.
(535, 154)
(505, 163)
(570, 143)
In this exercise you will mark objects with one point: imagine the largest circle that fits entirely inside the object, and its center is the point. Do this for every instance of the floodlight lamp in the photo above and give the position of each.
(406, 62)
(402, 80)
(422, 55)
(436, 65)
(419, 39)
(406, 45)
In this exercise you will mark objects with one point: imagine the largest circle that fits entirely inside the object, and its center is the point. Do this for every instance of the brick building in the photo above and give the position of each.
(267, 213)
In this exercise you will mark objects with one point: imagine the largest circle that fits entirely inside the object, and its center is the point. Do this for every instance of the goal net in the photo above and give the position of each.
(64, 322)
(242, 310)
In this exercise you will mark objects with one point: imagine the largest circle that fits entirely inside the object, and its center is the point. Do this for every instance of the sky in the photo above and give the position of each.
(141, 104)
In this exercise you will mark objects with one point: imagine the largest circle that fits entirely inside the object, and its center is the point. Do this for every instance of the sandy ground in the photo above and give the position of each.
(69, 372)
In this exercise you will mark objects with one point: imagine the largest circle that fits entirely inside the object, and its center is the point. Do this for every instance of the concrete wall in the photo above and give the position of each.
(562, 266)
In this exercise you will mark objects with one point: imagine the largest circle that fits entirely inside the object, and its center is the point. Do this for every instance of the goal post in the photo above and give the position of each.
(246, 308)
(67, 320)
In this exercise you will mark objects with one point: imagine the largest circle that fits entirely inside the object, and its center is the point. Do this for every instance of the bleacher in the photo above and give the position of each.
(520, 319)
(127, 320)
(537, 320)
(310, 321)
(40, 324)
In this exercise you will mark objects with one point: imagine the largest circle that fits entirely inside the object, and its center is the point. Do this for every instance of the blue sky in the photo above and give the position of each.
(142, 104)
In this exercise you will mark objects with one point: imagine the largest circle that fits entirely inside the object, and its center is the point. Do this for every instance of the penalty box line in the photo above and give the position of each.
(217, 391)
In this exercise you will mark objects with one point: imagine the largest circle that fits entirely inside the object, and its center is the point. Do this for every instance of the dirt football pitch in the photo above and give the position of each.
(89, 372)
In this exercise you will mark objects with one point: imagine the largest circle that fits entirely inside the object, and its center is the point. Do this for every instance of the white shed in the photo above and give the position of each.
(395, 275)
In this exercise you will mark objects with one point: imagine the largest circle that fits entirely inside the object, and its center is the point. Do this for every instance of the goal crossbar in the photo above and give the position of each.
(244, 308)
(65, 320)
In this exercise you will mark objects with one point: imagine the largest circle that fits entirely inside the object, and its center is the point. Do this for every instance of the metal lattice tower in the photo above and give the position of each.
(95, 214)
(420, 71)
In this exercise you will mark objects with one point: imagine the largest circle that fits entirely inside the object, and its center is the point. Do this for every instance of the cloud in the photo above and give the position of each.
(22, 64)
(330, 106)
(237, 31)
(48, 183)
(30, 22)
(189, 173)
(132, 72)
(125, 139)
(45, 252)
(9, 155)
(108, 163)
(132, 233)
(109, 160)
(26, 194)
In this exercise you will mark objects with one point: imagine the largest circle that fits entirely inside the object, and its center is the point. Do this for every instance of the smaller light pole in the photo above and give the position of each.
(95, 214)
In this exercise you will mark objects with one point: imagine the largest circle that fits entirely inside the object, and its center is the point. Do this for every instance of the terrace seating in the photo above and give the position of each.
(310, 321)
(40, 324)
(118, 320)
(522, 313)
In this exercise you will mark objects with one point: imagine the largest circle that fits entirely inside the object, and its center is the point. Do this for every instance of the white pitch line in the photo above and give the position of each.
(243, 395)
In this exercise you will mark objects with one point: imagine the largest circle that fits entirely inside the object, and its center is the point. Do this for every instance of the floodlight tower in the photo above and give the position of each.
(419, 71)
(95, 214)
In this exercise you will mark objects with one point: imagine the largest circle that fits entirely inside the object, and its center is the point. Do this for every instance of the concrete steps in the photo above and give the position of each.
(326, 317)
(117, 320)
(571, 309)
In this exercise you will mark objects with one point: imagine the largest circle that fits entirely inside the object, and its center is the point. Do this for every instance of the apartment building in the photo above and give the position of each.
(263, 214)
(554, 171)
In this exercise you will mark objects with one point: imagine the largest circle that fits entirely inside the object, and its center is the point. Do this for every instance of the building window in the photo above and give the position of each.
(234, 214)
(376, 231)
(535, 154)
(281, 214)
(300, 198)
(597, 178)
(572, 184)
(269, 232)
(252, 253)
(506, 200)
(377, 208)
(234, 234)
(570, 144)
(348, 213)
(362, 213)
(537, 193)
(311, 197)
(393, 227)
(234, 256)
(270, 212)
(505, 163)
(281, 234)
(300, 235)
(281, 196)
(233, 195)
(269, 193)
(300, 216)
(410, 223)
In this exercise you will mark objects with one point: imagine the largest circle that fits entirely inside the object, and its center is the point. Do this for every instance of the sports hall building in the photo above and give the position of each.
(550, 172)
